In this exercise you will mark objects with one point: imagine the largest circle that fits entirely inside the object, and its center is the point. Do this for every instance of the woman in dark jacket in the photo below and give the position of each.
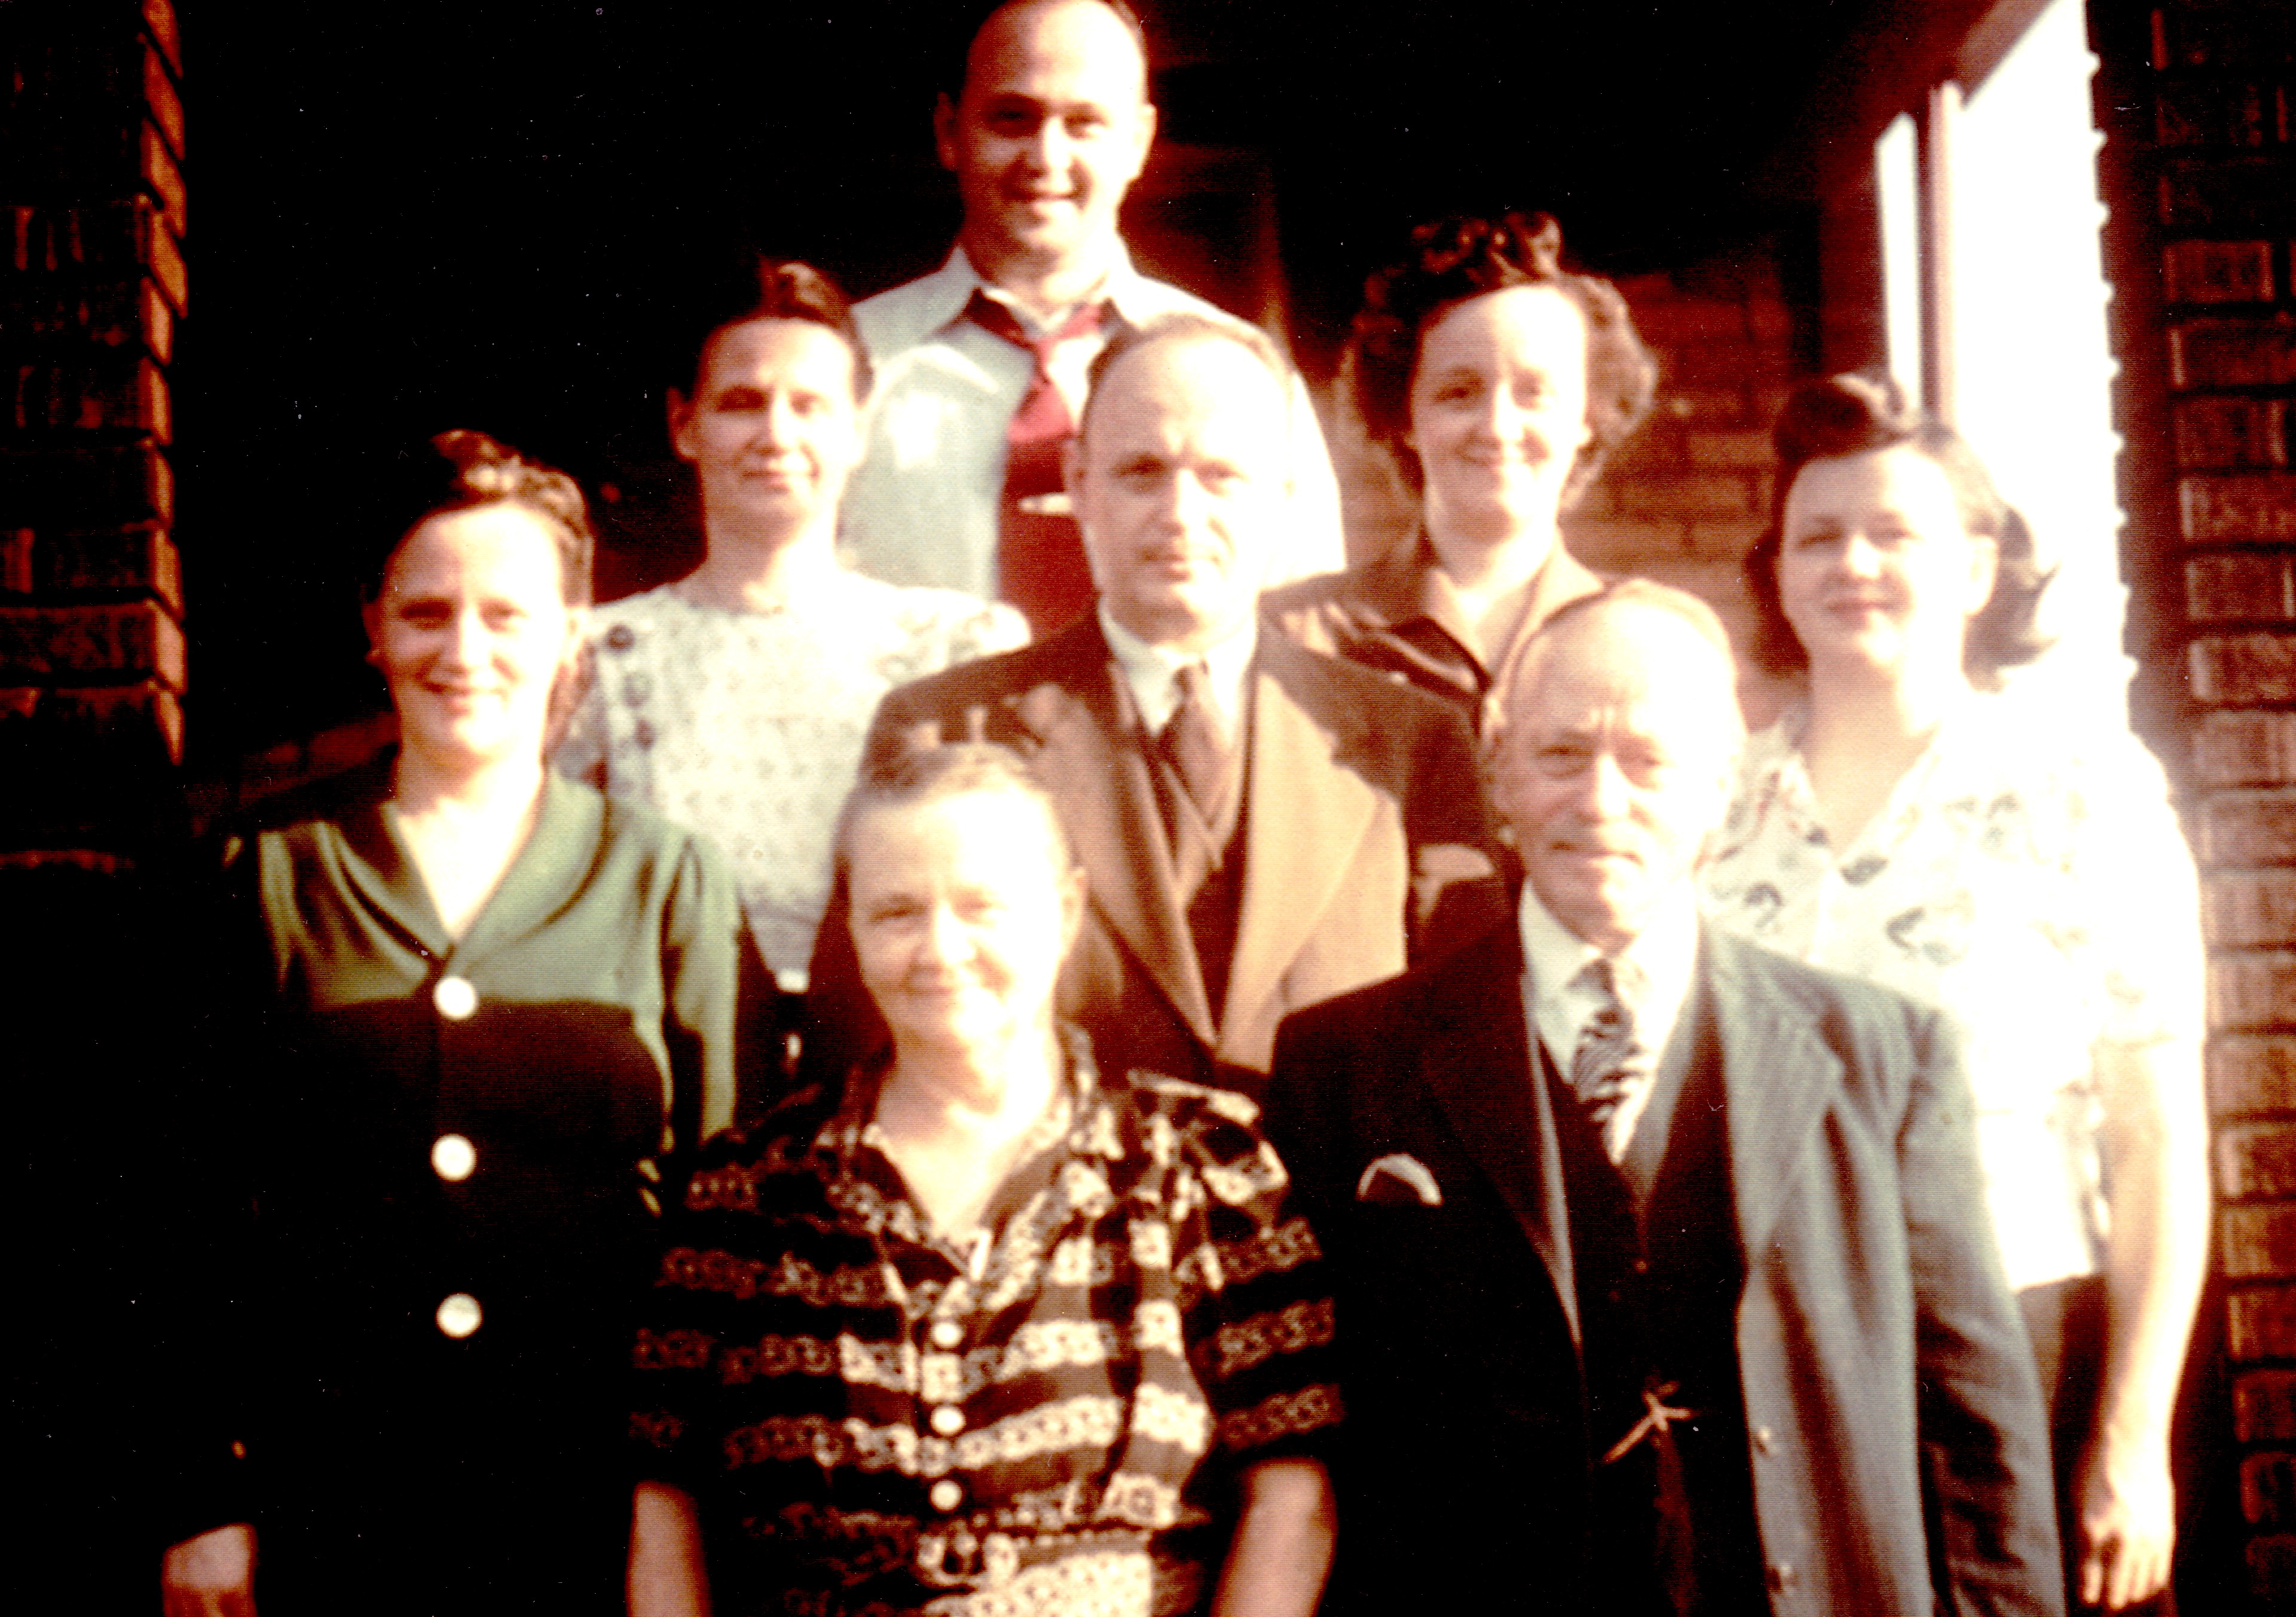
(461, 1003)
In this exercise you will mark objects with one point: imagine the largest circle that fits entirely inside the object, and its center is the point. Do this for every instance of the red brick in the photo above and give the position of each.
(2228, 34)
(2253, 989)
(134, 558)
(2250, 909)
(2252, 1072)
(2231, 748)
(2249, 828)
(1690, 494)
(85, 485)
(1711, 407)
(1733, 449)
(1620, 544)
(2244, 667)
(126, 637)
(2256, 1161)
(2233, 353)
(1710, 539)
(2262, 1322)
(166, 107)
(2226, 433)
(2213, 114)
(2239, 585)
(160, 21)
(16, 561)
(2272, 1571)
(2218, 272)
(1721, 363)
(2231, 507)
(116, 391)
(163, 178)
(2226, 193)
(2264, 1405)
(2268, 1489)
(1674, 322)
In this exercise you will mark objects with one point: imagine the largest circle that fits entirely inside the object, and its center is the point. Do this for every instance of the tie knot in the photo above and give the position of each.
(1000, 320)
(1601, 974)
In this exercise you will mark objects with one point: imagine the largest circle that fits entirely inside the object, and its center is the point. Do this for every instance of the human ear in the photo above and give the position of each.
(945, 131)
(680, 412)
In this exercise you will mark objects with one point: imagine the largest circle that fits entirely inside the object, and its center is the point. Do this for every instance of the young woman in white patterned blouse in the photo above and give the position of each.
(734, 701)
(1909, 824)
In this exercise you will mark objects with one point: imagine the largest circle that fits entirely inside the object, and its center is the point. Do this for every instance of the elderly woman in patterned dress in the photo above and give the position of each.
(734, 700)
(983, 1331)
(1911, 824)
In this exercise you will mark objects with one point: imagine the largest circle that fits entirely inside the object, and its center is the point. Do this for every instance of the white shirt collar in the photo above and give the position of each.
(1152, 670)
(954, 284)
(1654, 972)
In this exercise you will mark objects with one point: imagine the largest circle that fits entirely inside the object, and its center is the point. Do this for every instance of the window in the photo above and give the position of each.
(2006, 337)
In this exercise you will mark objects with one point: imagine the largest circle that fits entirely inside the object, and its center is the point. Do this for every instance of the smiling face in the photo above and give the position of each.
(774, 428)
(963, 911)
(1615, 767)
(1876, 572)
(1498, 412)
(1051, 128)
(473, 631)
(1179, 483)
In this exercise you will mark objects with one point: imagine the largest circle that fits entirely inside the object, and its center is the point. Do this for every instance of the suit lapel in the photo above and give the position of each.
(1477, 1062)
(1084, 730)
(1303, 820)
(1778, 1078)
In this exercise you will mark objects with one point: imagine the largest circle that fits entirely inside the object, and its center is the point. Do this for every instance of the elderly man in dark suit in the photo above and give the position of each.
(1261, 827)
(1666, 1283)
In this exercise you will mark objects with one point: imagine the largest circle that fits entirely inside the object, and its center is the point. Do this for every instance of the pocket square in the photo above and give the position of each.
(1399, 1180)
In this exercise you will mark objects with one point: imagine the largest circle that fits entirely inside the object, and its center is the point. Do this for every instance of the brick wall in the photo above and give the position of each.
(2198, 102)
(1685, 499)
(92, 283)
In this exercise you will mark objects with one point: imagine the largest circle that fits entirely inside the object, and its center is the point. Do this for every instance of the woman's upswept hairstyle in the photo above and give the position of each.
(772, 289)
(459, 470)
(1463, 257)
(1858, 414)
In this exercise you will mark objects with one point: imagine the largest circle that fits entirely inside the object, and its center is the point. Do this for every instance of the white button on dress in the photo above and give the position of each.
(455, 998)
(453, 1158)
(459, 1315)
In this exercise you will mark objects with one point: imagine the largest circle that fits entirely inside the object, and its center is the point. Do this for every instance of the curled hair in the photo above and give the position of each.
(1463, 257)
(459, 470)
(1854, 414)
(1186, 327)
(928, 775)
(775, 289)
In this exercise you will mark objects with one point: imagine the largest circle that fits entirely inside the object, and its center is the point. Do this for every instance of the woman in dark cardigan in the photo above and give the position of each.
(461, 1003)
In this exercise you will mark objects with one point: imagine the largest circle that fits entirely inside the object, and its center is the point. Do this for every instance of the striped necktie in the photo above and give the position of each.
(1609, 1057)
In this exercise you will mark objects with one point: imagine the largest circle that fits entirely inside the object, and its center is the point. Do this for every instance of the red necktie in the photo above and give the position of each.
(1040, 561)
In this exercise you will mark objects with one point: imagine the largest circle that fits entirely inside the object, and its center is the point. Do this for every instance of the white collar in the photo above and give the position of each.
(948, 289)
(1152, 670)
(1655, 979)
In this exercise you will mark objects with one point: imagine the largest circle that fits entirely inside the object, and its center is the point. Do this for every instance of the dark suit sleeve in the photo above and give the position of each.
(1456, 891)
(1983, 1435)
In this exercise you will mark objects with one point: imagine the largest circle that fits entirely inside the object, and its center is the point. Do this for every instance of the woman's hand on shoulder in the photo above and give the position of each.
(211, 1575)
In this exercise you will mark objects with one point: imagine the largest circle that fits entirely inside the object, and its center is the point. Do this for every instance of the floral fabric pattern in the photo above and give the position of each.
(747, 726)
(875, 1419)
(2032, 883)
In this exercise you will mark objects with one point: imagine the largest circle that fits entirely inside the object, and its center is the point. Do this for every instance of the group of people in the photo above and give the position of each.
(1021, 1041)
